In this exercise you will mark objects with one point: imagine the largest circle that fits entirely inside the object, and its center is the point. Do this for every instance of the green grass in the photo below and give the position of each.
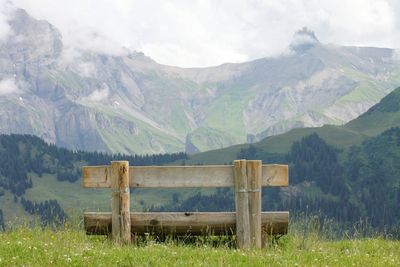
(337, 136)
(204, 137)
(75, 199)
(121, 141)
(36, 247)
(226, 112)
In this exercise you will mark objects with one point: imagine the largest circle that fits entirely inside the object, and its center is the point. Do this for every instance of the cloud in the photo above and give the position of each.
(5, 9)
(396, 55)
(206, 32)
(98, 94)
(86, 69)
(8, 86)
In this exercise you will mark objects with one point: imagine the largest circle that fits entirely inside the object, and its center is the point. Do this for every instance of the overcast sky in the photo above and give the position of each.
(207, 32)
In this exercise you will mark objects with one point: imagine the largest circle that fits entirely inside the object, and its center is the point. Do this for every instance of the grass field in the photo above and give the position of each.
(37, 247)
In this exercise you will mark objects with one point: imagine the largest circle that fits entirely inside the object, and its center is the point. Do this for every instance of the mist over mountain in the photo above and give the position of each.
(129, 103)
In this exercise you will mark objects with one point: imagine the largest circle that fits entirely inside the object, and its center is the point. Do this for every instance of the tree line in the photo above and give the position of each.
(22, 154)
(49, 211)
(361, 182)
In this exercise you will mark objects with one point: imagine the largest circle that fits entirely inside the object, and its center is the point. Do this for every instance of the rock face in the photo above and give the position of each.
(131, 104)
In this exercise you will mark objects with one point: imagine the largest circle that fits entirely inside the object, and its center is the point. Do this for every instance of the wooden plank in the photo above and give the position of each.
(96, 176)
(242, 204)
(183, 223)
(254, 185)
(121, 221)
(275, 175)
(181, 176)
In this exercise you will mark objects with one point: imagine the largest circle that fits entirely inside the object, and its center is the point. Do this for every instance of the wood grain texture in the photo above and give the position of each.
(275, 175)
(181, 176)
(254, 168)
(182, 223)
(121, 221)
(242, 205)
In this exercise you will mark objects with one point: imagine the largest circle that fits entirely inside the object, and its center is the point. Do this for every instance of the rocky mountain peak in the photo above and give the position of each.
(127, 103)
(303, 40)
(36, 40)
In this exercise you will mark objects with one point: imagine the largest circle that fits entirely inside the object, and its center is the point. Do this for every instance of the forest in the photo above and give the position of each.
(24, 154)
(345, 186)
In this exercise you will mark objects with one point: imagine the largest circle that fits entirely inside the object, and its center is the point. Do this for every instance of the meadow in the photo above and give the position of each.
(34, 246)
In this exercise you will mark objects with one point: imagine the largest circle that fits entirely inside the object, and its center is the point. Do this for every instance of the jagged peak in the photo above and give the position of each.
(303, 40)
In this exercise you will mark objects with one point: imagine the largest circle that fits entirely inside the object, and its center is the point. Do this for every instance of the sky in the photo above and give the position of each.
(202, 33)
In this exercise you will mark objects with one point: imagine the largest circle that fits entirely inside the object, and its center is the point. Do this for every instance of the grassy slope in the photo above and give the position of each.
(36, 247)
(141, 141)
(336, 136)
(379, 118)
(74, 199)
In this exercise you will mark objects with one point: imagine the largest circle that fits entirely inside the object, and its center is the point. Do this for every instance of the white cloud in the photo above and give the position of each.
(206, 32)
(5, 9)
(87, 69)
(8, 86)
(98, 94)
(396, 54)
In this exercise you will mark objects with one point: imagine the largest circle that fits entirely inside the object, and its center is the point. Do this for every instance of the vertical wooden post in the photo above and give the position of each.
(254, 169)
(242, 204)
(121, 221)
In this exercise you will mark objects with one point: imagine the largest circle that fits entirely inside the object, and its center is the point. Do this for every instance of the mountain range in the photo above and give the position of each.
(342, 172)
(376, 120)
(128, 103)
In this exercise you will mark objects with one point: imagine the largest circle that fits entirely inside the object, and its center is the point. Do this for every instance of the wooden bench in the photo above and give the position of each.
(248, 177)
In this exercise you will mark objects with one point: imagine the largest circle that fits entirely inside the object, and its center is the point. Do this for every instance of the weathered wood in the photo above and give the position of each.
(254, 189)
(242, 205)
(96, 176)
(275, 175)
(182, 223)
(121, 221)
(181, 176)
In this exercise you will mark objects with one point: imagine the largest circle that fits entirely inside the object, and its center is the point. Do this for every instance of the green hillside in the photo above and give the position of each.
(346, 173)
(34, 173)
(360, 183)
(328, 167)
(382, 116)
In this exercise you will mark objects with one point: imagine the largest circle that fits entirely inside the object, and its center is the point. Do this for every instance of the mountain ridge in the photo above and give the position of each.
(131, 104)
(343, 183)
(376, 120)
